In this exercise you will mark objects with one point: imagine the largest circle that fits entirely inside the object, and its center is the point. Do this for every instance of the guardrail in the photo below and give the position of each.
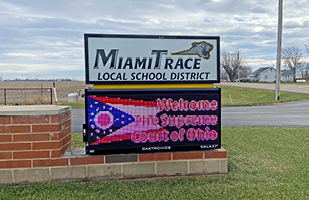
(20, 95)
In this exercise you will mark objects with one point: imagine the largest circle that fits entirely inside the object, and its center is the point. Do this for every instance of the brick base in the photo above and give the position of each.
(81, 167)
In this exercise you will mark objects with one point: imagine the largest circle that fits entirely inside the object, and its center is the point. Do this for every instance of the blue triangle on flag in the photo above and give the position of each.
(104, 119)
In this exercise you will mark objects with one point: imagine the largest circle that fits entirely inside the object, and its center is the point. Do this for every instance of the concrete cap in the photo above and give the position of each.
(33, 110)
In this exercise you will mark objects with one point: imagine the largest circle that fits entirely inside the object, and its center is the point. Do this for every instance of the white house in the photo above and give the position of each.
(264, 74)
(269, 74)
(287, 76)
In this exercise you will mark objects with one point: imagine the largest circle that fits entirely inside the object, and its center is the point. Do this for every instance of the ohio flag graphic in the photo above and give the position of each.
(115, 119)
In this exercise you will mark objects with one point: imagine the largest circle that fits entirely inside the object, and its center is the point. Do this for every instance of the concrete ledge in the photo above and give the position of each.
(209, 166)
(34, 175)
(114, 171)
(68, 174)
(33, 110)
(104, 172)
(172, 168)
(6, 177)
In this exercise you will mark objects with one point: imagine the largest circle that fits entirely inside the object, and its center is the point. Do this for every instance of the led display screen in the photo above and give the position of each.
(156, 120)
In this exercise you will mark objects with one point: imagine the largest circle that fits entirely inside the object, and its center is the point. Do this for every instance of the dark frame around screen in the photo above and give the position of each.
(143, 95)
(162, 37)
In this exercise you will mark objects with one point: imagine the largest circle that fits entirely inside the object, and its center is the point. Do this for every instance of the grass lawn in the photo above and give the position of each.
(75, 105)
(249, 96)
(240, 97)
(264, 163)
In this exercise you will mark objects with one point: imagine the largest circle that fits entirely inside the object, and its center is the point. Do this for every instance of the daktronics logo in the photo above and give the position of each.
(112, 61)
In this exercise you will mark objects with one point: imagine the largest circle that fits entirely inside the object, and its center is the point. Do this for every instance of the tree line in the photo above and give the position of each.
(233, 65)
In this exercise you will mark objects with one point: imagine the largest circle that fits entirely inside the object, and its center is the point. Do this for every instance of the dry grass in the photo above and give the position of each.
(23, 96)
(36, 100)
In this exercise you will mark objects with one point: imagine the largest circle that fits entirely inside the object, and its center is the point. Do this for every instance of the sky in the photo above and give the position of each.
(42, 39)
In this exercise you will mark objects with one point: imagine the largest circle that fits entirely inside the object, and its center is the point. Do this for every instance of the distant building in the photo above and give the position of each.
(264, 74)
(287, 76)
(269, 74)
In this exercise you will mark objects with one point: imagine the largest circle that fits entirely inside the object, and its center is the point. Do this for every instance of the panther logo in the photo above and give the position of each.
(202, 49)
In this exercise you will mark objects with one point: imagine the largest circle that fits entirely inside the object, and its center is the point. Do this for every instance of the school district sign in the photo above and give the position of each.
(136, 59)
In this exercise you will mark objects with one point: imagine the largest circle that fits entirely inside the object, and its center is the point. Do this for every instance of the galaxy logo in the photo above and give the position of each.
(144, 121)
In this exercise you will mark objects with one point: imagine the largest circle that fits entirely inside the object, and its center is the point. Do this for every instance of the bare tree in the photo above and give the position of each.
(292, 59)
(232, 63)
(245, 71)
(307, 49)
(223, 74)
(304, 71)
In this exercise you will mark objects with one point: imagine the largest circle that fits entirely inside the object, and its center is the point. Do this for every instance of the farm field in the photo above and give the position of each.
(63, 88)
(231, 96)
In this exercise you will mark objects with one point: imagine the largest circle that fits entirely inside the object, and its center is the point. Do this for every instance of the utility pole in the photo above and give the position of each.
(238, 63)
(279, 43)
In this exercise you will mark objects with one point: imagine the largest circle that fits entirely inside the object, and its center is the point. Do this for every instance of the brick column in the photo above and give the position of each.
(31, 133)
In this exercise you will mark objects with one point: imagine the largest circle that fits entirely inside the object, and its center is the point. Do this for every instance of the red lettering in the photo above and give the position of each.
(146, 120)
(204, 105)
(164, 120)
(181, 134)
(163, 135)
(143, 137)
(188, 120)
(164, 104)
(138, 120)
(175, 106)
(172, 121)
(165, 138)
(135, 137)
(213, 120)
(181, 104)
(191, 134)
(213, 135)
(174, 136)
(214, 105)
(193, 105)
(155, 121)
(186, 106)
(207, 120)
(207, 133)
(180, 121)
(152, 136)
(200, 134)
(201, 120)
(193, 120)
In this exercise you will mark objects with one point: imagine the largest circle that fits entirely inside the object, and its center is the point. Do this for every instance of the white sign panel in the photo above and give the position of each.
(135, 59)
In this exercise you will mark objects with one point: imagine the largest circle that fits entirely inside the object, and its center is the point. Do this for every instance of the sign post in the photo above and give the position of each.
(279, 43)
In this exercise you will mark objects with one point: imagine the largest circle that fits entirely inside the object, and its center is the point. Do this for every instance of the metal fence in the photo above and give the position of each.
(26, 96)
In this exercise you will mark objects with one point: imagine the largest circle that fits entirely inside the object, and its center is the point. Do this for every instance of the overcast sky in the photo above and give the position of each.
(45, 38)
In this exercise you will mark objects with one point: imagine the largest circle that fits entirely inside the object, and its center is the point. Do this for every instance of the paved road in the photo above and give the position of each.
(290, 114)
(271, 86)
(77, 120)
